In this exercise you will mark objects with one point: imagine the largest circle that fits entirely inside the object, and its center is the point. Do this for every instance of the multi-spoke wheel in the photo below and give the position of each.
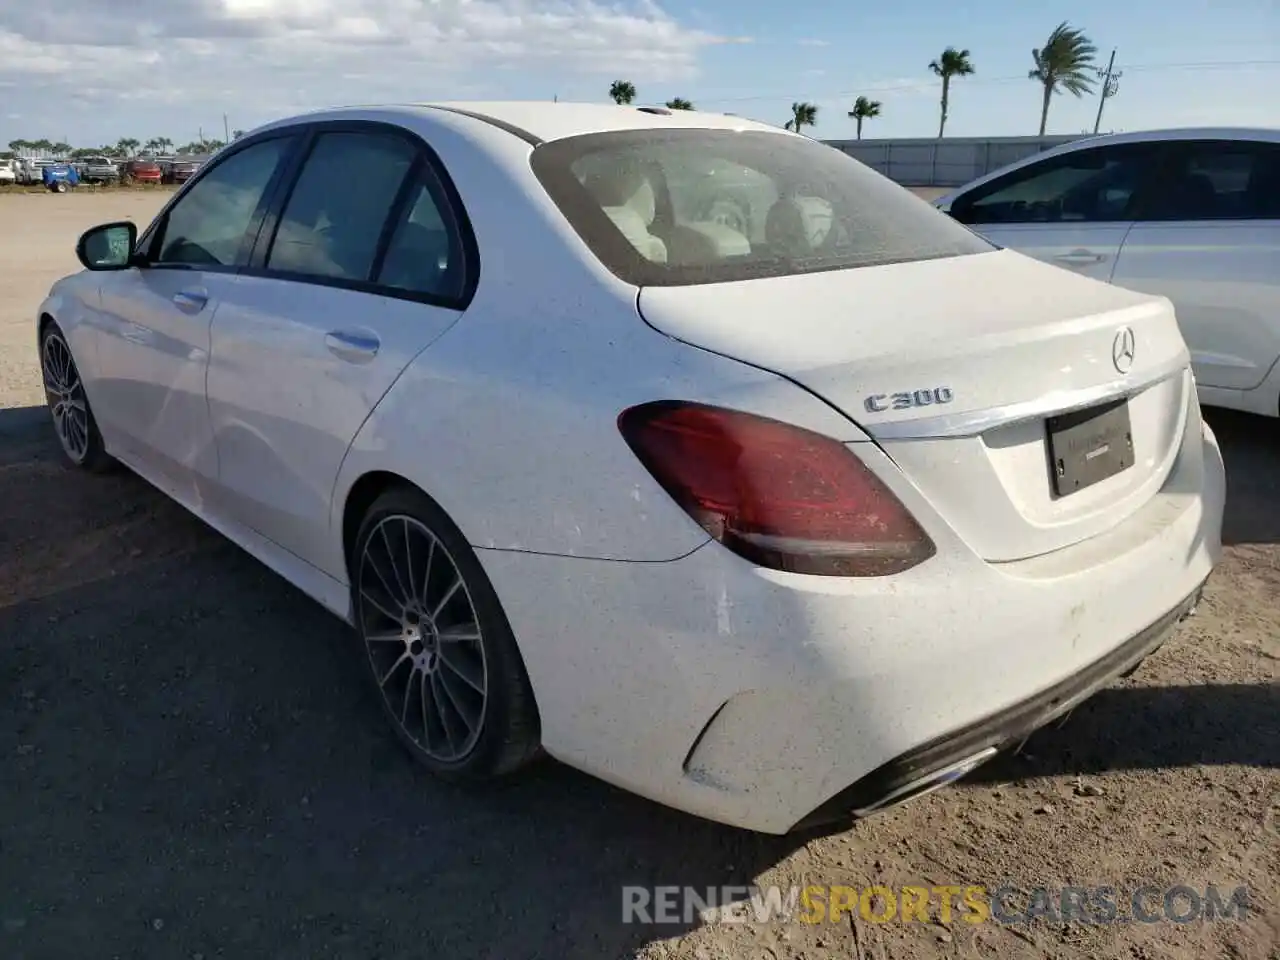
(440, 652)
(64, 393)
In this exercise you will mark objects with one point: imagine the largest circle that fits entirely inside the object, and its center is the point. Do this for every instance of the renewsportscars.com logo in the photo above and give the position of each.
(973, 904)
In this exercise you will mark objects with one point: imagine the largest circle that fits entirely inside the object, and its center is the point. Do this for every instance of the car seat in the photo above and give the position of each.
(626, 197)
(1193, 197)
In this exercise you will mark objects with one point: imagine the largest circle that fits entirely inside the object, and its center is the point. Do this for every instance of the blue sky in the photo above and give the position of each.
(79, 69)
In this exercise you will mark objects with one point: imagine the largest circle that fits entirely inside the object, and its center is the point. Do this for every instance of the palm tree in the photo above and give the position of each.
(679, 103)
(622, 91)
(19, 146)
(1064, 63)
(952, 63)
(127, 146)
(802, 115)
(237, 134)
(864, 109)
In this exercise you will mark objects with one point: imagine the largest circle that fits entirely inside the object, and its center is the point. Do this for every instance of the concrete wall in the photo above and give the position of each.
(950, 162)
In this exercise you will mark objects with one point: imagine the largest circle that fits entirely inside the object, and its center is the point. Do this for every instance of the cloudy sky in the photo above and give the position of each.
(92, 71)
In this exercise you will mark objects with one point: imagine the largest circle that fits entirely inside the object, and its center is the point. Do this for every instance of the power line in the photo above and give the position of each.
(970, 81)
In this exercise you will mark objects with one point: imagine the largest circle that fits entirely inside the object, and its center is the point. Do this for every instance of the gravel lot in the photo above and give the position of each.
(191, 769)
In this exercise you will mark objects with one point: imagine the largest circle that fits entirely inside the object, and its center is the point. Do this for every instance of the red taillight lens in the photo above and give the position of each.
(778, 495)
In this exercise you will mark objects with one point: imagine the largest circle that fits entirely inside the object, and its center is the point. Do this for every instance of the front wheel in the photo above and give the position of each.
(73, 420)
(441, 655)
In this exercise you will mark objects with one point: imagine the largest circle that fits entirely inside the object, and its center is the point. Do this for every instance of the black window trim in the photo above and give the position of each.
(1140, 202)
(152, 239)
(1179, 150)
(426, 169)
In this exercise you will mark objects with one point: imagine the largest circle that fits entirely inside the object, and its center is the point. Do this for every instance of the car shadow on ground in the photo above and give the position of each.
(1152, 728)
(193, 765)
(1251, 451)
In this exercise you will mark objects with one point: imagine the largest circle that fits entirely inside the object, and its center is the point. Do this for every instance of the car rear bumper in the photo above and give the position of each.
(948, 758)
(769, 700)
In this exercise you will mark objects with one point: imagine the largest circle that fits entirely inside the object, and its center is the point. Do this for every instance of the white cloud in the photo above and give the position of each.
(813, 43)
(281, 53)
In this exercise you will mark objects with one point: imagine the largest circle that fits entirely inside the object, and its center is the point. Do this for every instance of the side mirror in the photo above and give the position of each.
(109, 246)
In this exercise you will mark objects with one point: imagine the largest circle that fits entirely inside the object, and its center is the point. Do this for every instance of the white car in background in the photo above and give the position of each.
(775, 523)
(7, 172)
(1193, 215)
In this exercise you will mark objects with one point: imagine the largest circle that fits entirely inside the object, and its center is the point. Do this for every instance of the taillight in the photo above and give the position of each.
(777, 495)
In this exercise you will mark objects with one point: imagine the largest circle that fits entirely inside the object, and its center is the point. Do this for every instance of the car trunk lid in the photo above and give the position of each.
(957, 368)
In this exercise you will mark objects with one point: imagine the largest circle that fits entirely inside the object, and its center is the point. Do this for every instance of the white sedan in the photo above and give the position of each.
(687, 449)
(1193, 215)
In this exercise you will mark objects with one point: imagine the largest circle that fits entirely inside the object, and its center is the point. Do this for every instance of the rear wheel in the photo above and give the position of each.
(73, 421)
(441, 655)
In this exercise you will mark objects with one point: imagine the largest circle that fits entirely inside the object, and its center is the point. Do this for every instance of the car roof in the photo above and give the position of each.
(1187, 133)
(542, 121)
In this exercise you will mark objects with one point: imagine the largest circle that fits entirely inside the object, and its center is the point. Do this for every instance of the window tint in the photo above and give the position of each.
(667, 207)
(336, 214)
(425, 254)
(207, 226)
(1221, 180)
(1084, 186)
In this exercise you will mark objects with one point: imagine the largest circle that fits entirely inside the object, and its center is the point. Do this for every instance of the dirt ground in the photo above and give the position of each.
(191, 769)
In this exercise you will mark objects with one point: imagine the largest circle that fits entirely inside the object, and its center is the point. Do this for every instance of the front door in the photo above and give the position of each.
(156, 319)
(1072, 210)
(362, 269)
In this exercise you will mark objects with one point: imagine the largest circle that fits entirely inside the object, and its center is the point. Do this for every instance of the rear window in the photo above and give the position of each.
(678, 207)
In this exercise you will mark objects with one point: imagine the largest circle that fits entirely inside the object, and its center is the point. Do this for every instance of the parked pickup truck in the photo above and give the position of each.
(179, 169)
(99, 170)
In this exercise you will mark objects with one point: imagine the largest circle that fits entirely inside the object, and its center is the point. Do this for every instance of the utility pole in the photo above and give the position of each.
(226, 131)
(1110, 85)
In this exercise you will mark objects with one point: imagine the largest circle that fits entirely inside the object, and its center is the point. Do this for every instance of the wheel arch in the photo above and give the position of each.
(362, 494)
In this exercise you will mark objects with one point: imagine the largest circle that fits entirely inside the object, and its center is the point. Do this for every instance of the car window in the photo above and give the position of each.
(336, 213)
(669, 207)
(1093, 185)
(1221, 180)
(207, 225)
(425, 253)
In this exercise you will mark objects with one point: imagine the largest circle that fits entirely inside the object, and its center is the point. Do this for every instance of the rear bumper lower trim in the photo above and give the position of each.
(947, 758)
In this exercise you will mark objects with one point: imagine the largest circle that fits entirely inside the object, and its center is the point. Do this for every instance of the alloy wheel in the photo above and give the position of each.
(423, 638)
(64, 394)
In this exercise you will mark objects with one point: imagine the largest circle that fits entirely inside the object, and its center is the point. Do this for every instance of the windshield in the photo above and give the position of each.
(690, 206)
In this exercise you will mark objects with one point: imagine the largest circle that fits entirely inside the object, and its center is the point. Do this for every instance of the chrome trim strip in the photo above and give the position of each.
(977, 422)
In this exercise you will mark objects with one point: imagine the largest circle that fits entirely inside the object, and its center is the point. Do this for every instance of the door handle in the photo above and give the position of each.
(191, 300)
(352, 346)
(1080, 258)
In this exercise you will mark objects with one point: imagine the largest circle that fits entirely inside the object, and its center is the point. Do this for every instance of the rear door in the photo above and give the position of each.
(360, 266)
(1072, 210)
(1211, 243)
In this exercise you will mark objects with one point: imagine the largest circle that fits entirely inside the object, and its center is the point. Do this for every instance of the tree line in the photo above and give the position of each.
(1064, 64)
(126, 148)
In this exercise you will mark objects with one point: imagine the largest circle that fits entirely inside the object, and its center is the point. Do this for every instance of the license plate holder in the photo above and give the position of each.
(1088, 446)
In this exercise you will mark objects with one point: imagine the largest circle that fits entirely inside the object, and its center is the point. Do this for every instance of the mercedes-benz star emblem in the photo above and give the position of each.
(1123, 348)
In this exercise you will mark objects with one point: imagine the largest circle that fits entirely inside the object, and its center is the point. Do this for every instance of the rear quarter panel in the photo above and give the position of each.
(509, 421)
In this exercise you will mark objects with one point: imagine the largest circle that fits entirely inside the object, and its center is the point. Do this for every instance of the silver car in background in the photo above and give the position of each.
(1190, 214)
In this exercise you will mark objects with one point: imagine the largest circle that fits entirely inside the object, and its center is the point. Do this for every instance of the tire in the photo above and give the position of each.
(73, 420)
(59, 187)
(445, 666)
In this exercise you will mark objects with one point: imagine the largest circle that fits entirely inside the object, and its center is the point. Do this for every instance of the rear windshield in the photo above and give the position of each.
(691, 206)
